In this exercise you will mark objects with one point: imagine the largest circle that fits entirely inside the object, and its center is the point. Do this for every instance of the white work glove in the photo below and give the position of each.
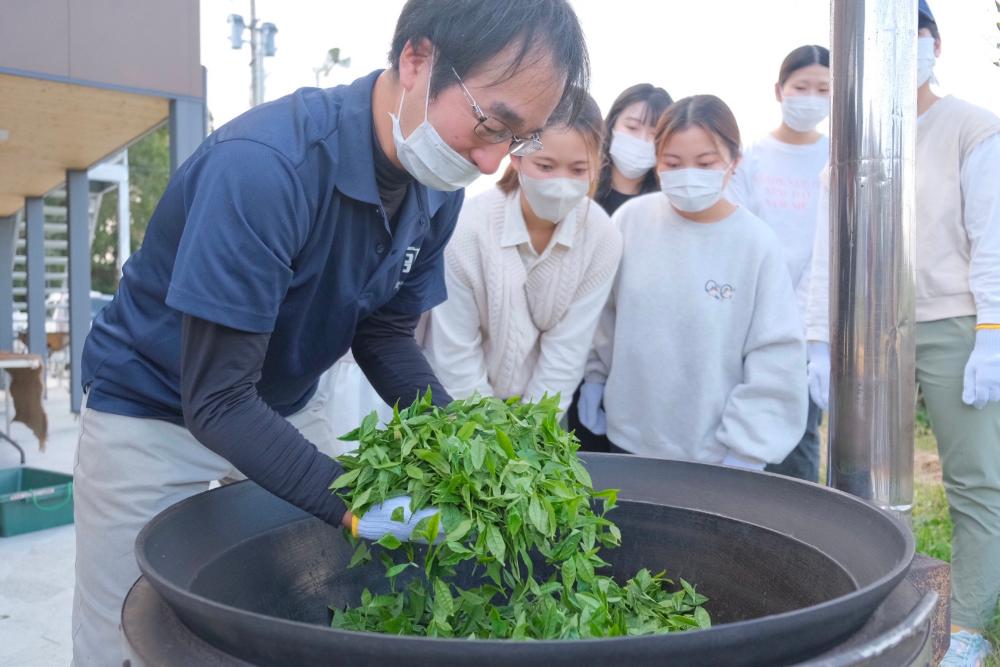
(736, 460)
(982, 371)
(378, 522)
(818, 368)
(589, 409)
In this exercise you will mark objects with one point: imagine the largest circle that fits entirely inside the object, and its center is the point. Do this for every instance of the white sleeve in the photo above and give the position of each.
(980, 175)
(818, 308)
(599, 360)
(765, 415)
(564, 347)
(453, 343)
(802, 290)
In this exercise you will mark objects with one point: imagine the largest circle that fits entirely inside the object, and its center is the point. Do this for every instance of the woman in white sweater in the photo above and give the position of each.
(528, 269)
(778, 181)
(699, 354)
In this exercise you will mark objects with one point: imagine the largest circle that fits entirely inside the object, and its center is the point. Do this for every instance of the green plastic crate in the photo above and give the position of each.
(33, 499)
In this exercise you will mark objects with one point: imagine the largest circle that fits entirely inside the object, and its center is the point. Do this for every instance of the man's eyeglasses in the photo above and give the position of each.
(495, 131)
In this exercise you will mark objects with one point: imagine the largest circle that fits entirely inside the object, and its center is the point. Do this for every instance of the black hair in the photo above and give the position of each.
(804, 56)
(924, 22)
(656, 101)
(466, 34)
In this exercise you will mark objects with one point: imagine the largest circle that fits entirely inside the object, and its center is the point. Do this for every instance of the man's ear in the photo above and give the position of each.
(937, 47)
(777, 91)
(412, 61)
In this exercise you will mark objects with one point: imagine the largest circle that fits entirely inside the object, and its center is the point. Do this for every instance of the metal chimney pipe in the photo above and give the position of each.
(873, 130)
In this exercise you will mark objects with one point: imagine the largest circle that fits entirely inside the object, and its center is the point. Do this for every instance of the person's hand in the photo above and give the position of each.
(378, 521)
(735, 460)
(818, 368)
(982, 371)
(589, 409)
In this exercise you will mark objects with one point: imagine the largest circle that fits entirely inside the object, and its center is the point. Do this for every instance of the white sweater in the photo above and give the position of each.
(958, 254)
(517, 323)
(700, 344)
(779, 183)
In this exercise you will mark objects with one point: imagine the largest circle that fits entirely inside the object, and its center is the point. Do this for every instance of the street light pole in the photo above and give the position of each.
(256, 59)
(261, 46)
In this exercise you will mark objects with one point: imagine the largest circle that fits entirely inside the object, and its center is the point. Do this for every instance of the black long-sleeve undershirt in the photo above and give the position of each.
(220, 369)
(387, 352)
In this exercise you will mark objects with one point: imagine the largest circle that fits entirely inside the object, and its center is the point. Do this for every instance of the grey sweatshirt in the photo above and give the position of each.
(700, 344)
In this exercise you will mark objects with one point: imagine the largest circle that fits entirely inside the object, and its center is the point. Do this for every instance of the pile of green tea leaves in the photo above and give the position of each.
(517, 507)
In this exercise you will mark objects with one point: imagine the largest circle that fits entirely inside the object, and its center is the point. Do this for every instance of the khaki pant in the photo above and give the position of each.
(969, 446)
(127, 471)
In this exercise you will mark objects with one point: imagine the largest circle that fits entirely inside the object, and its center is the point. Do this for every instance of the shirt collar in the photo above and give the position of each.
(515, 230)
(356, 158)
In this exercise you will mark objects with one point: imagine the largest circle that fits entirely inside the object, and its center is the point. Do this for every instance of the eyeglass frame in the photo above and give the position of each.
(518, 147)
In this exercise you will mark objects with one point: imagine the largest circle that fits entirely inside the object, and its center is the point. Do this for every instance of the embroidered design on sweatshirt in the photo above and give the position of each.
(719, 292)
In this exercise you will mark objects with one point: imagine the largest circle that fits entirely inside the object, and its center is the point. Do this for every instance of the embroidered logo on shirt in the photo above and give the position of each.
(719, 292)
(409, 257)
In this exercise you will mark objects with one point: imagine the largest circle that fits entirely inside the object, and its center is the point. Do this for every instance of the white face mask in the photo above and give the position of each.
(803, 113)
(925, 60)
(553, 198)
(632, 157)
(426, 156)
(693, 190)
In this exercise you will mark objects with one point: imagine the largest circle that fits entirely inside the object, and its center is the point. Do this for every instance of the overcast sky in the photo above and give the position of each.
(731, 48)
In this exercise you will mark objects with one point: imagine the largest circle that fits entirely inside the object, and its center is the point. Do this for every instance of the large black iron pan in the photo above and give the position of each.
(792, 569)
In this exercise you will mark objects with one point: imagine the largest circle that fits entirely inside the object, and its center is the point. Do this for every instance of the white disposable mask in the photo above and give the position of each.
(803, 113)
(426, 156)
(553, 198)
(693, 190)
(632, 157)
(925, 60)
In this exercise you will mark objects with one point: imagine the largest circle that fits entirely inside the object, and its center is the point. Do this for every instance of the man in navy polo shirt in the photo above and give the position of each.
(307, 226)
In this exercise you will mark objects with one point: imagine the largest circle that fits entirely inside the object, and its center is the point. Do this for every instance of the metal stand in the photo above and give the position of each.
(4, 436)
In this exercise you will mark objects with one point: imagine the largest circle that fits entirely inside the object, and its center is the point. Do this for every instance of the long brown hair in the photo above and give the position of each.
(587, 122)
(705, 111)
(656, 101)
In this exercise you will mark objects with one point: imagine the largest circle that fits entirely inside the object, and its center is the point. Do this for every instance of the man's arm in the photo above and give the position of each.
(387, 352)
(220, 369)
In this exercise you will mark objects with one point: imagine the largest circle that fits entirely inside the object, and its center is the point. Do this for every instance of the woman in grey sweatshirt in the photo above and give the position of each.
(699, 352)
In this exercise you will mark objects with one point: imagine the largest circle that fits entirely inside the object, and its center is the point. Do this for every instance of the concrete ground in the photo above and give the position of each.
(36, 569)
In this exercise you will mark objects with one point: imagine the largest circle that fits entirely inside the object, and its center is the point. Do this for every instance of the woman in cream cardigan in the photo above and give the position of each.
(528, 270)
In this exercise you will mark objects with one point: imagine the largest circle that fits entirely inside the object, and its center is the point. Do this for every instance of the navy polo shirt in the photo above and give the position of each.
(274, 225)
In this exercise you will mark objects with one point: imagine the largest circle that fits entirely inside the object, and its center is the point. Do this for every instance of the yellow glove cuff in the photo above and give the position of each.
(354, 524)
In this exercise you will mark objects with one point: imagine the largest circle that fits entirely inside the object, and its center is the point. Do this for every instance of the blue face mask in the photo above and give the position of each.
(426, 156)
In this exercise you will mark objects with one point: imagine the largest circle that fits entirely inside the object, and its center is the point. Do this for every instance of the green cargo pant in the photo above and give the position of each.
(969, 447)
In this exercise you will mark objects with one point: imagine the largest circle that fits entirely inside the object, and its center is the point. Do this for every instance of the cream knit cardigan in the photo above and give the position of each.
(516, 306)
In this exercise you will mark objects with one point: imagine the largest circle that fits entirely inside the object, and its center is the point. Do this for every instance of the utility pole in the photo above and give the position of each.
(261, 46)
(256, 59)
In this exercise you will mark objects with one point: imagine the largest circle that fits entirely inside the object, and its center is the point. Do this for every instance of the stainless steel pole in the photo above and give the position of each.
(871, 250)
